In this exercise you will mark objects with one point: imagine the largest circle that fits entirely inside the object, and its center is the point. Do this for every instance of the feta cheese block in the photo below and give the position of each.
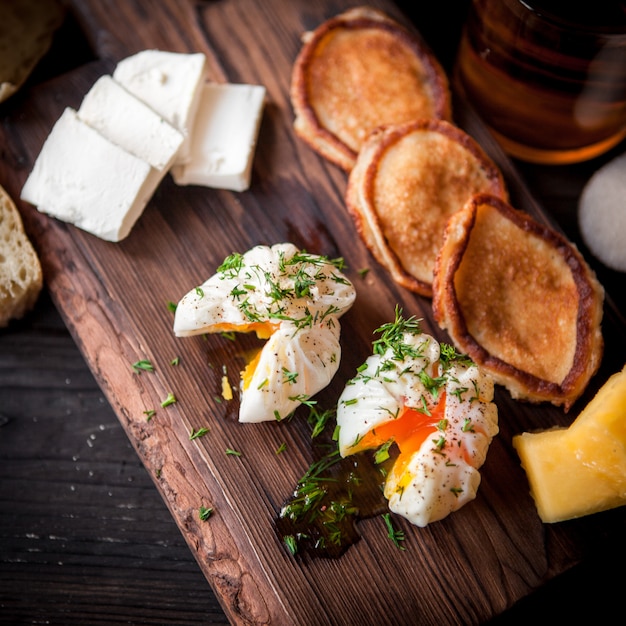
(224, 137)
(169, 83)
(129, 123)
(82, 178)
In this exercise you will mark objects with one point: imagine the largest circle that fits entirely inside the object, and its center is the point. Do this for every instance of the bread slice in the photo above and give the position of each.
(407, 181)
(20, 271)
(357, 71)
(27, 30)
(520, 300)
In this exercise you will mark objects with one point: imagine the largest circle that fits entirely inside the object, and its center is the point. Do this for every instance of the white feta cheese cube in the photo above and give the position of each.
(129, 123)
(169, 83)
(224, 137)
(82, 178)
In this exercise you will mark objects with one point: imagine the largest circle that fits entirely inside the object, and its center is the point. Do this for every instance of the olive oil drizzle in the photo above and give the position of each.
(320, 518)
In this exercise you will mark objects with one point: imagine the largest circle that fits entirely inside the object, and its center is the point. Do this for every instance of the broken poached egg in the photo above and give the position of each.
(289, 297)
(431, 402)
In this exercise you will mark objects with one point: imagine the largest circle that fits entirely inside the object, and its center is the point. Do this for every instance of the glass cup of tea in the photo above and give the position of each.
(547, 76)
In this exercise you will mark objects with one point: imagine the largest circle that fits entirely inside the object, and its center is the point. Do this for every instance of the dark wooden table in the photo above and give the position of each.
(85, 537)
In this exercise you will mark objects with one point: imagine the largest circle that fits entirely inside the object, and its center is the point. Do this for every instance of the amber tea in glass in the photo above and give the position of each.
(548, 77)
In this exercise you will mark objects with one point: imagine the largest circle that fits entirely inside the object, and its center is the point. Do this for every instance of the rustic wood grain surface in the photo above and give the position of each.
(86, 536)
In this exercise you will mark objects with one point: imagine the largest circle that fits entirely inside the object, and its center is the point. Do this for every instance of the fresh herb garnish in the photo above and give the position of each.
(289, 377)
(143, 366)
(393, 337)
(450, 355)
(291, 543)
(195, 434)
(395, 535)
(310, 490)
(171, 399)
(440, 444)
(204, 513)
(382, 454)
(318, 419)
(467, 427)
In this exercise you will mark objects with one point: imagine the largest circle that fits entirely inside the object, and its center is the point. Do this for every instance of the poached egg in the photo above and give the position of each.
(292, 299)
(435, 405)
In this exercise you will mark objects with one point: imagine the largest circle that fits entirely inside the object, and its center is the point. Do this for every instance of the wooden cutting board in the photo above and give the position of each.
(113, 297)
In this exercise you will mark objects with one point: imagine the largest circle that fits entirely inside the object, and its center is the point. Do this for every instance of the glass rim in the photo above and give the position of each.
(610, 31)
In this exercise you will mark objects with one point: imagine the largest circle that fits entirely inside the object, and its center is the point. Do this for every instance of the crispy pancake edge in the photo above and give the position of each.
(306, 123)
(447, 312)
(360, 191)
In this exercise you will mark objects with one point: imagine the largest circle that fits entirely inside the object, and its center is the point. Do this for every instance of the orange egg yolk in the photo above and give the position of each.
(263, 330)
(409, 431)
(248, 372)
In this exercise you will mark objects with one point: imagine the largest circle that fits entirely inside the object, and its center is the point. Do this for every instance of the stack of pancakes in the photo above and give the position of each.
(432, 208)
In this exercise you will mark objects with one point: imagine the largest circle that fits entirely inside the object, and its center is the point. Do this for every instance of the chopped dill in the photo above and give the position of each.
(395, 535)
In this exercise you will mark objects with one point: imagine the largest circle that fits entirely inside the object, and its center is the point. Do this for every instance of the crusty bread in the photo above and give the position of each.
(357, 71)
(520, 300)
(20, 271)
(26, 32)
(407, 181)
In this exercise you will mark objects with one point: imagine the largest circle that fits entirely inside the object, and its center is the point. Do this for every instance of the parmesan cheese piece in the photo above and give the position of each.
(129, 123)
(169, 83)
(580, 470)
(224, 137)
(82, 178)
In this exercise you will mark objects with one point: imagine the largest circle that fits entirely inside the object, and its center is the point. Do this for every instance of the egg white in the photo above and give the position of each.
(292, 366)
(261, 293)
(375, 397)
(437, 479)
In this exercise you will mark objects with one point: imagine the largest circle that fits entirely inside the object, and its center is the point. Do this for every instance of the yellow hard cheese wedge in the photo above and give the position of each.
(580, 470)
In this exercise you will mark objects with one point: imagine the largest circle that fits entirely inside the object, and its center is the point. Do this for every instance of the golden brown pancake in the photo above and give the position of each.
(357, 71)
(520, 300)
(407, 181)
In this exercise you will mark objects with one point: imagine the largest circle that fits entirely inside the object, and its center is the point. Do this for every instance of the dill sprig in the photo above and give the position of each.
(318, 419)
(311, 489)
(204, 513)
(143, 366)
(449, 355)
(392, 337)
(293, 278)
(395, 535)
